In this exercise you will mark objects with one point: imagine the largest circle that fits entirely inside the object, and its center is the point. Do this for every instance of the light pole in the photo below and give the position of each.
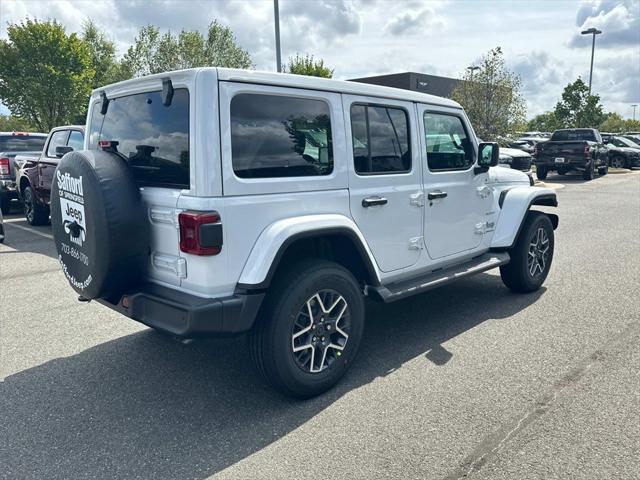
(634, 111)
(472, 69)
(276, 15)
(594, 32)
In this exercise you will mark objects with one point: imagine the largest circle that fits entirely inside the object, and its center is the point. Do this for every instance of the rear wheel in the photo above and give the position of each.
(541, 173)
(618, 162)
(589, 171)
(309, 330)
(531, 256)
(35, 213)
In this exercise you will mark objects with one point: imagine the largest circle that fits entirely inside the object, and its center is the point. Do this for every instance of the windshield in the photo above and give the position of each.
(565, 135)
(21, 143)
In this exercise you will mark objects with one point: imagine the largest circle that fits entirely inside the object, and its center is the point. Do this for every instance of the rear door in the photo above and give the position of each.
(385, 178)
(155, 140)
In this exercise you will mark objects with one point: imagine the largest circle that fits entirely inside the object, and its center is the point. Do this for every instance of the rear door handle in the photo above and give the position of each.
(373, 201)
(435, 195)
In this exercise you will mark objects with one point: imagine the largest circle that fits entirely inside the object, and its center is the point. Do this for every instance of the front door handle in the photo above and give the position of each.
(373, 201)
(435, 195)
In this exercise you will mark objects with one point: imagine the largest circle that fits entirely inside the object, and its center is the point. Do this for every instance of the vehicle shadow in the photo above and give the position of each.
(21, 240)
(145, 406)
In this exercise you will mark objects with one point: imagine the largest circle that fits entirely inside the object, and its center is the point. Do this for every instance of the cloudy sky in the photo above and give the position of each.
(541, 39)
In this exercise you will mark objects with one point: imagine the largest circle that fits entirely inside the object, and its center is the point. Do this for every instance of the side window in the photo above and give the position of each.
(448, 146)
(380, 139)
(58, 139)
(280, 136)
(76, 140)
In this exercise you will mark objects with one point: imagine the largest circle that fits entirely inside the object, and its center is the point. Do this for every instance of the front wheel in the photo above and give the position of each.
(531, 256)
(602, 171)
(309, 331)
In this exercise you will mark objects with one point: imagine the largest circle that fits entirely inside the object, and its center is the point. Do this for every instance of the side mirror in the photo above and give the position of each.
(488, 156)
(62, 150)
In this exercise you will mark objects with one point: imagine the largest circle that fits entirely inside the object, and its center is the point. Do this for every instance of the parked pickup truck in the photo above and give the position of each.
(11, 144)
(35, 174)
(572, 149)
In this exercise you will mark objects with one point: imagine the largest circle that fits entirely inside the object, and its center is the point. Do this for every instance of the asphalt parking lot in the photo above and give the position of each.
(468, 381)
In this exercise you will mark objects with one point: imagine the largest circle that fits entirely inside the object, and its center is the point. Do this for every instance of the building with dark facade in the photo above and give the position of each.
(418, 82)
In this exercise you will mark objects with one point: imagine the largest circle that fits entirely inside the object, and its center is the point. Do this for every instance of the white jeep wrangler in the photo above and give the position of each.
(216, 202)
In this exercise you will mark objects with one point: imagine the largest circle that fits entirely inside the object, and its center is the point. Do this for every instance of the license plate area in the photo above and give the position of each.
(559, 159)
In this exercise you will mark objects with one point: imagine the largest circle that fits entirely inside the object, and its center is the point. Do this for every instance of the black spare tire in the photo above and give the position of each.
(99, 223)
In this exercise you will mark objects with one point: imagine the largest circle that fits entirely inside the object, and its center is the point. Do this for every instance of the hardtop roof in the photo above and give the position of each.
(300, 81)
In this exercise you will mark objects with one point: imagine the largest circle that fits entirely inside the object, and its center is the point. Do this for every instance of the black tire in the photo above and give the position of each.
(99, 224)
(5, 204)
(618, 161)
(589, 172)
(602, 171)
(35, 213)
(516, 274)
(273, 337)
(541, 173)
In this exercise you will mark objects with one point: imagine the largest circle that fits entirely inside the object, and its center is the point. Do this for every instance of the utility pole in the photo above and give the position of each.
(594, 32)
(276, 15)
(634, 111)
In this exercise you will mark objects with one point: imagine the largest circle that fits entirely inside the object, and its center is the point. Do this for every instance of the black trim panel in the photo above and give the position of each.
(187, 316)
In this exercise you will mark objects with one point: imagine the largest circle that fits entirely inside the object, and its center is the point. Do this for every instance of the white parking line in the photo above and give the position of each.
(27, 229)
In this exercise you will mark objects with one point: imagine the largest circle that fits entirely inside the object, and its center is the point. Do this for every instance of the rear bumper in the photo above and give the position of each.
(575, 163)
(187, 316)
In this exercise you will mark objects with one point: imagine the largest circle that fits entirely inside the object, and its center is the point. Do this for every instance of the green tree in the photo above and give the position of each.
(306, 65)
(578, 109)
(153, 52)
(11, 123)
(108, 69)
(492, 97)
(45, 74)
(544, 122)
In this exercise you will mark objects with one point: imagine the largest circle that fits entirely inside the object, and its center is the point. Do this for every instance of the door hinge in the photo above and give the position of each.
(417, 199)
(169, 263)
(416, 243)
(484, 191)
(484, 227)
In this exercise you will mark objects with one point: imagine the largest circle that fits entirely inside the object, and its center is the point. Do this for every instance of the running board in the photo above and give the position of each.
(437, 278)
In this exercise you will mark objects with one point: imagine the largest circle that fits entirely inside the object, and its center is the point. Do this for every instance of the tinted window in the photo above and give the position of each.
(76, 140)
(153, 137)
(380, 139)
(565, 135)
(21, 143)
(58, 139)
(277, 136)
(448, 146)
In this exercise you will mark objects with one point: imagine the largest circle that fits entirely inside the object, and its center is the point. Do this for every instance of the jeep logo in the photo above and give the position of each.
(74, 213)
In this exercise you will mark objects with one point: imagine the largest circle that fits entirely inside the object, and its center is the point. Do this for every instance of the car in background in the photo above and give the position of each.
(623, 153)
(1, 228)
(523, 145)
(35, 176)
(515, 159)
(634, 138)
(12, 144)
(568, 149)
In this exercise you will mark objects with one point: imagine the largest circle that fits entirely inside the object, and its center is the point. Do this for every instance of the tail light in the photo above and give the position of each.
(4, 166)
(200, 233)
(587, 150)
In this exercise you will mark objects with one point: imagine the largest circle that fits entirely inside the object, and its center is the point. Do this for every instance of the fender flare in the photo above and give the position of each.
(514, 205)
(277, 237)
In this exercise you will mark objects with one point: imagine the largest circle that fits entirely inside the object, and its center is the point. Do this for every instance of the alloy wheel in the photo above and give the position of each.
(538, 254)
(321, 331)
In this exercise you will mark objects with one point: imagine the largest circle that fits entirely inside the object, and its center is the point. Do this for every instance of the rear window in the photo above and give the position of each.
(154, 138)
(280, 136)
(21, 143)
(567, 135)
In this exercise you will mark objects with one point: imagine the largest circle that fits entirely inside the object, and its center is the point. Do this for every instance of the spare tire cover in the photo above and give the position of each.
(99, 223)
